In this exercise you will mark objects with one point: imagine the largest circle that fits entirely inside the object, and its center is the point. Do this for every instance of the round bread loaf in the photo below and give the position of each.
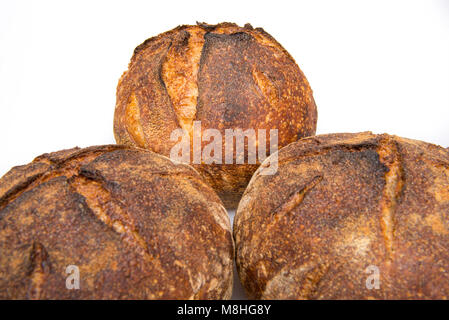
(221, 76)
(347, 216)
(128, 223)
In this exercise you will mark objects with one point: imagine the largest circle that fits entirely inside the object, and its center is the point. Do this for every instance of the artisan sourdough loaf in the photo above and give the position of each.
(347, 216)
(224, 76)
(128, 222)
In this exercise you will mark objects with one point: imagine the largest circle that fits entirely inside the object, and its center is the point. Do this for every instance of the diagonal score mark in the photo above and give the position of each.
(295, 198)
(98, 200)
(65, 167)
(39, 270)
(293, 201)
(389, 156)
(303, 280)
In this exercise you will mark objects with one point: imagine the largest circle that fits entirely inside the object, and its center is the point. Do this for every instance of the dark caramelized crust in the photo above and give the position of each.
(223, 75)
(136, 225)
(339, 204)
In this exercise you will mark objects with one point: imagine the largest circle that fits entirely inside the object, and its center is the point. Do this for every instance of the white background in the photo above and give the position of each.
(373, 65)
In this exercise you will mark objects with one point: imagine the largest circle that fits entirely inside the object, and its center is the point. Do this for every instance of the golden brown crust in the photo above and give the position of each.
(339, 204)
(136, 225)
(223, 75)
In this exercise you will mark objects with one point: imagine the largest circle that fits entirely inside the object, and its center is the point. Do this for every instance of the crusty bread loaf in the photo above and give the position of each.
(223, 75)
(345, 211)
(135, 225)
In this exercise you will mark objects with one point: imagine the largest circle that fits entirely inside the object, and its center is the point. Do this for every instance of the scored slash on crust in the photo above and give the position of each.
(390, 157)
